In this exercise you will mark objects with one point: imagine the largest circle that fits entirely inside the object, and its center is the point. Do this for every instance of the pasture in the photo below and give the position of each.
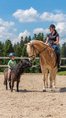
(30, 101)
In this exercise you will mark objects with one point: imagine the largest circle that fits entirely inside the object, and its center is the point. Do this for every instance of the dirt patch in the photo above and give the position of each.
(31, 102)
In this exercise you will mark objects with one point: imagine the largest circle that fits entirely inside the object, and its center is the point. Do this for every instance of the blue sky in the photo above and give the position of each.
(26, 17)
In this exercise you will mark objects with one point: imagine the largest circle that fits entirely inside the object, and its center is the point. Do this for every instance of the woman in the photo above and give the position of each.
(53, 41)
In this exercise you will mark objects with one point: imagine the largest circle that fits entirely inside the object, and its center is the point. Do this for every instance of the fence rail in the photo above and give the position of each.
(19, 58)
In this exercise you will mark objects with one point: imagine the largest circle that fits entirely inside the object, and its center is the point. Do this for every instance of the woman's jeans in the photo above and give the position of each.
(57, 51)
(56, 48)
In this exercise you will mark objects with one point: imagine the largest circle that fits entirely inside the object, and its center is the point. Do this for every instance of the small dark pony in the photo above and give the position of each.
(15, 74)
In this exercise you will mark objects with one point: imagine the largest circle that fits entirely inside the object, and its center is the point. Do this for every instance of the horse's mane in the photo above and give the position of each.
(41, 43)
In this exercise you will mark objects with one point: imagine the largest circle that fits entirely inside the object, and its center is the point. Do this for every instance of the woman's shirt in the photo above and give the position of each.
(52, 38)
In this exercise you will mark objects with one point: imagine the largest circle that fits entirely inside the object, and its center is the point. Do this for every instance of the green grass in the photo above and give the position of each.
(62, 73)
(1, 73)
(59, 73)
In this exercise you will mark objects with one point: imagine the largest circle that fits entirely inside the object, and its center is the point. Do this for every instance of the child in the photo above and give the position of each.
(11, 63)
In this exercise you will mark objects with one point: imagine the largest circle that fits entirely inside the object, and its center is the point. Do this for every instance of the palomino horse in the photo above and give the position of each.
(48, 61)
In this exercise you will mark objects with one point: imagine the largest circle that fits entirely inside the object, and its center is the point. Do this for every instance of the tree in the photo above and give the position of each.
(63, 50)
(18, 49)
(8, 47)
(1, 48)
(39, 36)
(63, 53)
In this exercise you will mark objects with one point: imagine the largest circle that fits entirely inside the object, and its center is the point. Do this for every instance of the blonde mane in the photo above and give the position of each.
(41, 44)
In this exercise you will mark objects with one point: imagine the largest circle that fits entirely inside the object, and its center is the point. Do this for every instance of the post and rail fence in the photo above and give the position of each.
(19, 58)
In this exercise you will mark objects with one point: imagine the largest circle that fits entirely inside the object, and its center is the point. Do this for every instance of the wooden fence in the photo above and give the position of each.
(18, 58)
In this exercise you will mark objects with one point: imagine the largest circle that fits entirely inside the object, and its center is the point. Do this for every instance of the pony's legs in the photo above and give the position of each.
(6, 85)
(12, 85)
(17, 85)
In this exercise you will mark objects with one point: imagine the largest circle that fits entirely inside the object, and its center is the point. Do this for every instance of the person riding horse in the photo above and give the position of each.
(11, 63)
(53, 41)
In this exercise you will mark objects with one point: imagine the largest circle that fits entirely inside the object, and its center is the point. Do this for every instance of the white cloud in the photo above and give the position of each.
(31, 14)
(40, 30)
(28, 15)
(24, 34)
(61, 28)
(6, 23)
(53, 17)
(7, 29)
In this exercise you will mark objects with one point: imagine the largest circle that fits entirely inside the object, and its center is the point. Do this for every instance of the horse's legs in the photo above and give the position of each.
(50, 80)
(17, 85)
(44, 88)
(46, 78)
(44, 82)
(53, 79)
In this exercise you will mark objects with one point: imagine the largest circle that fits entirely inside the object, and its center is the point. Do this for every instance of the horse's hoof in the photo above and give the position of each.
(44, 90)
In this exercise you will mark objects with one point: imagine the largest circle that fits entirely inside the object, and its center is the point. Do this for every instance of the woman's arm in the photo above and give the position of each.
(47, 40)
(57, 40)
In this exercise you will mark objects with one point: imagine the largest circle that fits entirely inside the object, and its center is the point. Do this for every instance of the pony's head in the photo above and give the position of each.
(31, 51)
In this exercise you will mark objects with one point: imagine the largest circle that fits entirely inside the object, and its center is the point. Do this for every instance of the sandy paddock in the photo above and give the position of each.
(31, 102)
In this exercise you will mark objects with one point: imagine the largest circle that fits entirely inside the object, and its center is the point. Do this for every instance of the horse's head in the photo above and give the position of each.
(31, 51)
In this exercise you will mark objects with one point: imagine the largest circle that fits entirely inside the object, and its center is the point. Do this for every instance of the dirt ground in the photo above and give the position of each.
(30, 101)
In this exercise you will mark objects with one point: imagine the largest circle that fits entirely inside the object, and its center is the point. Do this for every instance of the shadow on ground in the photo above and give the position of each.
(26, 91)
(63, 89)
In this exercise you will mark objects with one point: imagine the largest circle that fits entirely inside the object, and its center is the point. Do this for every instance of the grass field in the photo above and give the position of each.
(62, 73)
(59, 73)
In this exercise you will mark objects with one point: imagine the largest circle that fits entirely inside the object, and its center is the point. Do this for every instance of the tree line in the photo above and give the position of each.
(20, 49)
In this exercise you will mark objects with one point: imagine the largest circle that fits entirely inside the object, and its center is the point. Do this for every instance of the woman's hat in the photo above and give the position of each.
(52, 26)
